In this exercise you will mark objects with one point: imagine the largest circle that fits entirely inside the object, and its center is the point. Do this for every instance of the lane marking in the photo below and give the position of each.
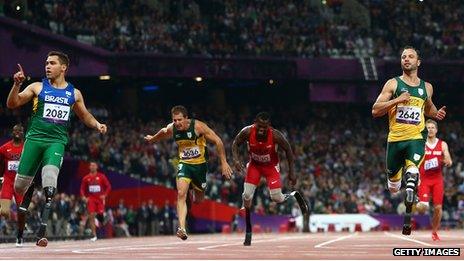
(335, 240)
(407, 239)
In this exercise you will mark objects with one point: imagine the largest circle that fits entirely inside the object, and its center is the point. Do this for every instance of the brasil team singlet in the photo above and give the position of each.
(51, 114)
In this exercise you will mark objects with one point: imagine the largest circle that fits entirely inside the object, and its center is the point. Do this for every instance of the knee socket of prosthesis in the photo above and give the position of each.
(49, 194)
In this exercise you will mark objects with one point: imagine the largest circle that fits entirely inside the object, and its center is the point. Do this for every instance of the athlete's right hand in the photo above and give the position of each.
(226, 170)
(238, 166)
(404, 97)
(102, 128)
(19, 77)
(149, 138)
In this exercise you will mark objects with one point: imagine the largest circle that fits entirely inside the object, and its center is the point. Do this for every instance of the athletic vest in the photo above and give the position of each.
(262, 152)
(51, 114)
(433, 160)
(192, 148)
(406, 120)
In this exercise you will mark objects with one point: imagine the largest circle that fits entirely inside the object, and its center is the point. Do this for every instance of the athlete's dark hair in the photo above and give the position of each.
(179, 109)
(413, 48)
(62, 57)
(263, 116)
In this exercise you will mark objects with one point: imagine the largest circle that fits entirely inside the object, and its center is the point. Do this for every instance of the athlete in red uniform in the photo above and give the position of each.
(263, 141)
(431, 176)
(10, 154)
(94, 188)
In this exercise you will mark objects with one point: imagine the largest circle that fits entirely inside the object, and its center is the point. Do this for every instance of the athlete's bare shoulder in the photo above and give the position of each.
(35, 87)
(429, 89)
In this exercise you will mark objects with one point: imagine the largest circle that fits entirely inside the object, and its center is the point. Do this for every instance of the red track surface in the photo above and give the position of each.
(362, 245)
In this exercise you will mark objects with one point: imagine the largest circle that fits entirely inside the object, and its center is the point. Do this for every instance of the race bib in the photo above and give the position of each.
(56, 112)
(431, 164)
(408, 115)
(94, 188)
(190, 153)
(261, 158)
(13, 165)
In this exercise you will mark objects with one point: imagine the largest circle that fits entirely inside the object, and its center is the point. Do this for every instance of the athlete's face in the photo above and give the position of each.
(93, 167)
(262, 127)
(18, 133)
(432, 130)
(53, 67)
(180, 121)
(409, 60)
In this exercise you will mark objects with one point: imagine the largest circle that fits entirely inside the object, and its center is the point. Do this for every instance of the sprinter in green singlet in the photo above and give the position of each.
(54, 100)
(191, 136)
(406, 99)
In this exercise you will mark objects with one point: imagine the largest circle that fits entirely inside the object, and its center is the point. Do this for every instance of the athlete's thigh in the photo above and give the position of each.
(31, 158)
(272, 174)
(198, 173)
(54, 154)
(395, 160)
(424, 190)
(253, 175)
(415, 151)
(437, 192)
(7, 191)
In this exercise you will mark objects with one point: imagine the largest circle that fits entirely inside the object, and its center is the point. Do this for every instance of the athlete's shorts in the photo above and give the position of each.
(36, 153)
(8, 189)
(270, 172)
(95, 205)
(403, 154)
(194, 173)
(431, 188)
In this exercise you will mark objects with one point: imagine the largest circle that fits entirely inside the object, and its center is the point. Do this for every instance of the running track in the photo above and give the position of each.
(360, 245)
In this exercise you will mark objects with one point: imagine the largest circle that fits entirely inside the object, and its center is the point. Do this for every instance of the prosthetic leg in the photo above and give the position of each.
(412, 179)
(41, 240)
(22, 212)
(304, 209)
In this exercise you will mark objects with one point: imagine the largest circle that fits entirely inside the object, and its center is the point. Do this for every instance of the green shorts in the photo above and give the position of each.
(36, 153)
(194, 173)
(403, 154)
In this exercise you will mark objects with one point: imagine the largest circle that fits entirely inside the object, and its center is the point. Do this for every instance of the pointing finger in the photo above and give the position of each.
(20, 68)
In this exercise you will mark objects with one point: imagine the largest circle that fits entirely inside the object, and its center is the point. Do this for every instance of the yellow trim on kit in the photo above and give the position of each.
(189, 180)
(397, 176)
(35, 104)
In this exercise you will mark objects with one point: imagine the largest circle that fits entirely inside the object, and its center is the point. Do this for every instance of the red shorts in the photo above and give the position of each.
(270, 172)
(431, 188)
(8, 189)
(95, 205)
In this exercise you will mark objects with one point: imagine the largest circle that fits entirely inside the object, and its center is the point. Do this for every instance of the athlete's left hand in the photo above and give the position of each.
(441, 113)
(226, 170)
(101, 128)
(292, 180)
(447, 163)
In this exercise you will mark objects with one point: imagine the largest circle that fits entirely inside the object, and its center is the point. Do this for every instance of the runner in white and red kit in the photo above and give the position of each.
(263, 142)
(431, 175)
(95, 187)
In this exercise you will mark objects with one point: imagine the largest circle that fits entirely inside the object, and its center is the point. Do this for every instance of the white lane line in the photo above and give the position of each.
(335, 240)
(407, 239)
(254, 241)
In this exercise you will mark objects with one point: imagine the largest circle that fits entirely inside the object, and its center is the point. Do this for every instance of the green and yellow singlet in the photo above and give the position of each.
(406, 120)
(192, 149)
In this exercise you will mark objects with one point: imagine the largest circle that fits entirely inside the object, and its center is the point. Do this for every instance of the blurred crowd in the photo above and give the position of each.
(283, 28)
(339, 156)
(69, 218)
